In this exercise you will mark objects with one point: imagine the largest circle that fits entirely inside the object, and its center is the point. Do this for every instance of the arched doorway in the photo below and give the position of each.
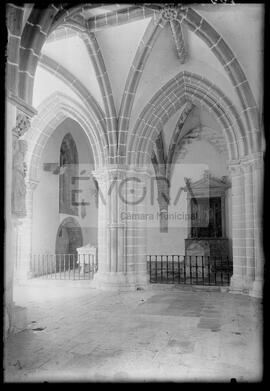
(69, 237)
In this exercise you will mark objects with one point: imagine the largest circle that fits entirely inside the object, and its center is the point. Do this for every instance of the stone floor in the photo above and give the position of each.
(83, 334)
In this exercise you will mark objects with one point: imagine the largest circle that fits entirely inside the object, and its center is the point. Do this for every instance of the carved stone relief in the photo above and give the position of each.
(19, 168)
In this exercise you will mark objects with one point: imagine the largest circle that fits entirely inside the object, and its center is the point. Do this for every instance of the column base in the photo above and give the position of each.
(16, 320)
(249, 283)
(7, 322)
(239, 285)
(257, 289)
(22, 279)
(120, 281)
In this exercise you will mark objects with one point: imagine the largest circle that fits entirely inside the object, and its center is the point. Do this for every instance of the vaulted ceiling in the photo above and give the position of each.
(105, 39)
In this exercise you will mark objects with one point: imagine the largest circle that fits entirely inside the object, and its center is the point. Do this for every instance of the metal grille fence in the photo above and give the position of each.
(63, 266)
(196, 270)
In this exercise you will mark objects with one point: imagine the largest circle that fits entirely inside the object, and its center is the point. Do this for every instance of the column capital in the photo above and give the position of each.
(234, 167)
(31, 184)
(246, 167)
(109, 173)
(252, 161)
(120, 172)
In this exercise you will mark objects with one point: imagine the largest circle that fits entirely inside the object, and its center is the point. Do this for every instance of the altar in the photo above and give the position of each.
(206, 241)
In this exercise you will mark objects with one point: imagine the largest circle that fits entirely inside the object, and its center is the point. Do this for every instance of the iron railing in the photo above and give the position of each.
(63, 266)
(196, 270)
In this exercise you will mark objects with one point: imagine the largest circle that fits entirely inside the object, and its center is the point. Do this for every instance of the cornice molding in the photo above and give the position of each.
(21, 105)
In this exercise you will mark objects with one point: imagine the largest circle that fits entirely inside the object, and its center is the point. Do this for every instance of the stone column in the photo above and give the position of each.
(163, 201)
(24, 236)
(10, 228)
(238, 280)
(249, 222)
(18, 115)
(137, 191)
(119, 254)
(257, 288)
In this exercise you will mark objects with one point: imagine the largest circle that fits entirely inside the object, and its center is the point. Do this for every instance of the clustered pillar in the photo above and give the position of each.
(18, 115)
(122, 241)
(24, 238)
(257, 288)
(247, 184)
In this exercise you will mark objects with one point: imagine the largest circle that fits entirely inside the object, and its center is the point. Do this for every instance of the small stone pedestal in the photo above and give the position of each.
(87, 257)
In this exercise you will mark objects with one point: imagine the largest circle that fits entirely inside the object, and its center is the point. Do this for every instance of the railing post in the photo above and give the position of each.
(202, 269)
(185, 269)
(196, 269)
(161, 265)
(59, 266)
(54, 265)
(221, 273)
(91, 267)
(173, 267)
(34, 265)
(31, 266)
(167, 269)
(209, 270)
(228, 271)
(179, 269)
(156, 269)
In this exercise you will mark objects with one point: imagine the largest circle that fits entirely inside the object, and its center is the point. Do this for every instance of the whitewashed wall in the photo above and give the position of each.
(46, 217)
(200, 156)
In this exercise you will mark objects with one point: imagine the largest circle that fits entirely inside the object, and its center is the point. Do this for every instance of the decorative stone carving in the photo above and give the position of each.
(18, 178)
(247, 167)
(234, 168)
(19, 166)
(22, 125)
(254, 161)
(169, 12)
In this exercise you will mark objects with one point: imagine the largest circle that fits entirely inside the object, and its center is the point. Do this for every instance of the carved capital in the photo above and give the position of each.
(247, 167)
(234, 168)
(121, 172)
(31, 185)
(254, 161)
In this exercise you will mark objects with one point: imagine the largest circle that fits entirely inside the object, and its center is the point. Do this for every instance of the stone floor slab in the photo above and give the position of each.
(154, 335)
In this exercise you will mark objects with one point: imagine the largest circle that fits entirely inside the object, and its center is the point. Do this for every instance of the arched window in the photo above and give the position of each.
(68, 178)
